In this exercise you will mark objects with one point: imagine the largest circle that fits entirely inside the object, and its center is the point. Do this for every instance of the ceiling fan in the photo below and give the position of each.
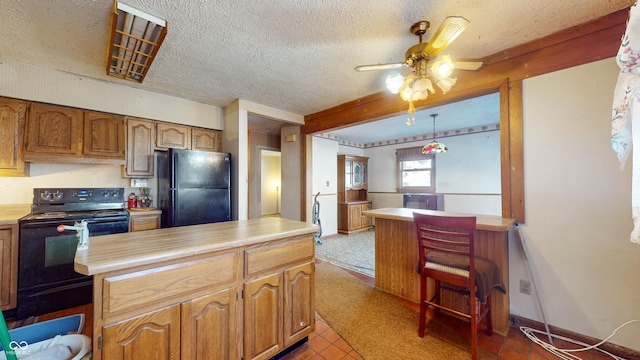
(422, 58)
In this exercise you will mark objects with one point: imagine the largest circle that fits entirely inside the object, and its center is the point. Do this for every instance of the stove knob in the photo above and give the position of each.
(58, 195)
(115, 194)
(105, 193)
(45, 195)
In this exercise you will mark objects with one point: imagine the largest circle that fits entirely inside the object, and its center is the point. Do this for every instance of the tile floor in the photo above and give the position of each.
(325, 343)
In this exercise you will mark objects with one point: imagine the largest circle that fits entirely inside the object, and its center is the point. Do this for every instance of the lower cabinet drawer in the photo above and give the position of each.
(276, 255)
(141, 223)
(133, 291)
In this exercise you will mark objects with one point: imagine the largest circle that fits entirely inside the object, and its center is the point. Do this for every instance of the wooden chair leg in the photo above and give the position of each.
(474, 326)
(423, 305)
(489, 319)
(436, 295)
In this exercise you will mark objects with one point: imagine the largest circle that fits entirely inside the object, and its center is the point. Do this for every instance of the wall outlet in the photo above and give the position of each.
(525, 287)
(326, 183)
(136, 183)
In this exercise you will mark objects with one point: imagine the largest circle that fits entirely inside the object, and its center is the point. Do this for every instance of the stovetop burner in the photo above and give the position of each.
(76, 203)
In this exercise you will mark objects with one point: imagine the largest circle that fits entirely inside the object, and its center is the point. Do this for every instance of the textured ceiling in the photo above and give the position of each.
(293, 55)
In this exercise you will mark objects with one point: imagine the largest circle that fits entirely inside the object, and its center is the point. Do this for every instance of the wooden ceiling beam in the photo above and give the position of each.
(581, 44)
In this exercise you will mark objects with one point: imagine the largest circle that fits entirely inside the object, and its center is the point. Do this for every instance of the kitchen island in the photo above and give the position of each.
(396, 256)
(239, 289)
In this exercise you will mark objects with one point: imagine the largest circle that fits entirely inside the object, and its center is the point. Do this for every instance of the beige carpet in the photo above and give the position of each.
(378, 326)
(355, 251)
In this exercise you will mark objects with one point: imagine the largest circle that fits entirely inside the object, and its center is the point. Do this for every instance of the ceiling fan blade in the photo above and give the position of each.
(468, 64)
(450, 29)
(379, 67)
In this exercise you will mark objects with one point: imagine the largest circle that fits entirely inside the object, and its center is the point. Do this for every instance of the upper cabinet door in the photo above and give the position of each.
(12, 122)
(103, 135)
(347, 174)
(357, 173)
(141, 139)
(172, 136)
(54, 130)
(364, 173)
(206, 139)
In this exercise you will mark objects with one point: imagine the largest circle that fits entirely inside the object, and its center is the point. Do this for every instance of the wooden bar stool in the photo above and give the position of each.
(446, 248)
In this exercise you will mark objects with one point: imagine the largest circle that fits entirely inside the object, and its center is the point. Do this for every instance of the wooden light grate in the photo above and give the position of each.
(135, 40)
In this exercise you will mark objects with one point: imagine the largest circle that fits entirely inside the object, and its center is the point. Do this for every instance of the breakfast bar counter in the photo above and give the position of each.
(248, 285)
(396, 256)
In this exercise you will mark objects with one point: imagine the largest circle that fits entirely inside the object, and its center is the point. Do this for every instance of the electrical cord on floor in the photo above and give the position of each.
(530, 333)
(566, 353)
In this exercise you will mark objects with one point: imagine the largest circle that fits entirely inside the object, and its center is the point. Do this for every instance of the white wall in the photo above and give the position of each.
(325, 169)
(291, 162)
(471, 164)
(37, 83)
(468, 174)
(19, 190)
(578, 208)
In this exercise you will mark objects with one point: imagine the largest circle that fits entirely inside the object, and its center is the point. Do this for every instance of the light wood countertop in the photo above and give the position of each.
(121, 251)
(10, 214)
(144, 211)
(483, 222)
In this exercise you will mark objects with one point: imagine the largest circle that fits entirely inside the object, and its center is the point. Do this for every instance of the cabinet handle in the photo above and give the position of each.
(302, 323)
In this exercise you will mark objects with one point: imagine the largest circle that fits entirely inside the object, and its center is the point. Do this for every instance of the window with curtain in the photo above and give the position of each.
(415, 172)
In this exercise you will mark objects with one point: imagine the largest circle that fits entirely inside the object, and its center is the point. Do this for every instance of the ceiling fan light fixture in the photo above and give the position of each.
(420, 95)
(406, 94)
(394, 83)
(426, 69)
(443, 67)
(421, 85)
(445, 84)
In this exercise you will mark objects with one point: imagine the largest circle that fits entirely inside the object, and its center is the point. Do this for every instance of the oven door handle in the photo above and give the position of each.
(65, 287)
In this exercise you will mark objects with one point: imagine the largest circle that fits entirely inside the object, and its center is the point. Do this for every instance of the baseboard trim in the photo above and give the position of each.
(617, 350)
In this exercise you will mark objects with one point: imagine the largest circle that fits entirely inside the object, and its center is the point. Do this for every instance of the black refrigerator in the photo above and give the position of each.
(194, 187)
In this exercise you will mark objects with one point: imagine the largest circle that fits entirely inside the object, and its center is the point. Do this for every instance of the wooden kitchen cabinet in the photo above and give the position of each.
(263, 320)
(61, 134)
(172, 136)
(215, 316)
(141, 219)
(104, 135)
(352, 178)
(278, 303)
(206, 139)
(202, 328)
(9, 266)
(230, 302)
(168, 308)
(141, 140)
(53, 130)
(156, 333)
(299, 308)
(352, 194)
(12, 126)
(351, 218)
(278, 312)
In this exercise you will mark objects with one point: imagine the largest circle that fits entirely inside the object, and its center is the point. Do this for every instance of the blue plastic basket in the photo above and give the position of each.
(44, 330)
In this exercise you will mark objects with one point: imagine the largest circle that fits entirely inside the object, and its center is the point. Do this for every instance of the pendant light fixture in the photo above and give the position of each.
(434, 147)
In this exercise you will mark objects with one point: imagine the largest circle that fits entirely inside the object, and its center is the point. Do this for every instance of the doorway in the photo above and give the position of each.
(270, 183)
